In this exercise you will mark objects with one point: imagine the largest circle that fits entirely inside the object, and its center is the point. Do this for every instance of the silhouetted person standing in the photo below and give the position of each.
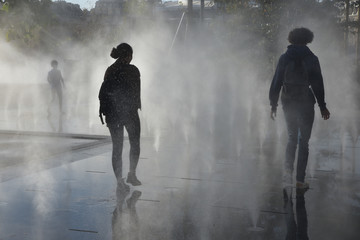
(119, 101)
(299, 77)
(57, 84)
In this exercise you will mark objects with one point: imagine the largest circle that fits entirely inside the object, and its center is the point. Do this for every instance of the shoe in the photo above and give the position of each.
(122, 186)
(132, 179)
(302, 185)
(301, 188)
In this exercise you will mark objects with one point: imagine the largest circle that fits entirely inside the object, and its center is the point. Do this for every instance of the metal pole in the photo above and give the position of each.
(347, 10)
(202, 6)
(190, 8)
(189, 21)
(358, 38)
(177, 30)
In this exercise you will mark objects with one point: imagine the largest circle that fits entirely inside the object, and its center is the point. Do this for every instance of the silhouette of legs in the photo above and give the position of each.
(132, 126)
(299, 119)
(133, 129)
(296, 230)
(117, 137)
(306, 119)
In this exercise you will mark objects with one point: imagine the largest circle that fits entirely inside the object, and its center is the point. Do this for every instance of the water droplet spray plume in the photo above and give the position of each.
(208, 97)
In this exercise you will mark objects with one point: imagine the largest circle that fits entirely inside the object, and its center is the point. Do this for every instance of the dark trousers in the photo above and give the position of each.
(57, 90)
(132, 126)
(299, 120)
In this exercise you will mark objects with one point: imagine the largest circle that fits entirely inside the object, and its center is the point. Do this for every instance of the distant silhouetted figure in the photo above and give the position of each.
(299, 77)
(57, 84)
(119, 101)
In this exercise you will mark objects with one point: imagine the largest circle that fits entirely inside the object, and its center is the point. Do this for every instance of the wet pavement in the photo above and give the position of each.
(62, 187)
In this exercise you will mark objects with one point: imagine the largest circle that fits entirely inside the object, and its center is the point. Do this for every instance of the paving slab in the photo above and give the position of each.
(187, 193)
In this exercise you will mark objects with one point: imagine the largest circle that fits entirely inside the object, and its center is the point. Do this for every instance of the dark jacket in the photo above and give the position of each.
(55, 79)
(120, 93)
(314, 73)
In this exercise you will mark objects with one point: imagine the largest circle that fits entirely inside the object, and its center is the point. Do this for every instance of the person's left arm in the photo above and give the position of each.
(317, 85)
(137, 86)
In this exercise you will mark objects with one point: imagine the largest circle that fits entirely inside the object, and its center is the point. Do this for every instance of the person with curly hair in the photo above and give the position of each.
(298, 76)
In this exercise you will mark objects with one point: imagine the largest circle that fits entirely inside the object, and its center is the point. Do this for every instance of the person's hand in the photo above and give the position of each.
(101, 116)
(325, 114)
(273, 114)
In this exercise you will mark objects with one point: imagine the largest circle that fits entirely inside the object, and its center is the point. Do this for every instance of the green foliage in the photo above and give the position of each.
(138, 8)
(5, 7)
(267, 20)
(45, 25)
(33, 25)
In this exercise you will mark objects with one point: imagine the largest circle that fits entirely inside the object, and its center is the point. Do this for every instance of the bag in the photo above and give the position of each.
(113, 100)
(296, 81)
(105, 100)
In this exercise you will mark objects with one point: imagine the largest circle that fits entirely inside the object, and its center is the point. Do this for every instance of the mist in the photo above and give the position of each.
(205, 103)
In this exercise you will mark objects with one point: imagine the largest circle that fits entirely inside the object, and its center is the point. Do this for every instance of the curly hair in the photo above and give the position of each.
(300, 36)
(121, 51)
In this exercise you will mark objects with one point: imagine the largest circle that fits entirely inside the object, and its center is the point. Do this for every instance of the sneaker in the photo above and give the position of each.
(302, 185)
(132, 179)
(122, 186)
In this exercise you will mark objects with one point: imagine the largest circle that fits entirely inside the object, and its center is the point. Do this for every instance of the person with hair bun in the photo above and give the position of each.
(299, 77)
(119, 102)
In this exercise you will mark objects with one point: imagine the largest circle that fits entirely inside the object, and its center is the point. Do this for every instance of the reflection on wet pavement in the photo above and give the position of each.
(228, 198)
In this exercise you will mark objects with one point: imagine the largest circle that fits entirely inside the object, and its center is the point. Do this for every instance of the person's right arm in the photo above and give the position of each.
(104, 93)
(49, 77)
(276, 85)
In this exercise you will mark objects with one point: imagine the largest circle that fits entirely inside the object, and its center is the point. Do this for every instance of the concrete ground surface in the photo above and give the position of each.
(62, 186)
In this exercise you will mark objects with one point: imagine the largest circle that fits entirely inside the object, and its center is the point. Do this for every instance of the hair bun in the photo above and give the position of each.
(121, 51)
(115, 53)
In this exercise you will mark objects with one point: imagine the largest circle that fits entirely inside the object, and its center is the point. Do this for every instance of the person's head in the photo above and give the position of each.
(54, 63)
(300, 36)
(123, 52)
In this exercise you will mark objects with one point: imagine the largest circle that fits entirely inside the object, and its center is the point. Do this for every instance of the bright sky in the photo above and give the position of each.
(88, 4)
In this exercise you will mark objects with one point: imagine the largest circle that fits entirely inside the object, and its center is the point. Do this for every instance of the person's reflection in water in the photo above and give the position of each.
(296, 230)
(125, 221)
